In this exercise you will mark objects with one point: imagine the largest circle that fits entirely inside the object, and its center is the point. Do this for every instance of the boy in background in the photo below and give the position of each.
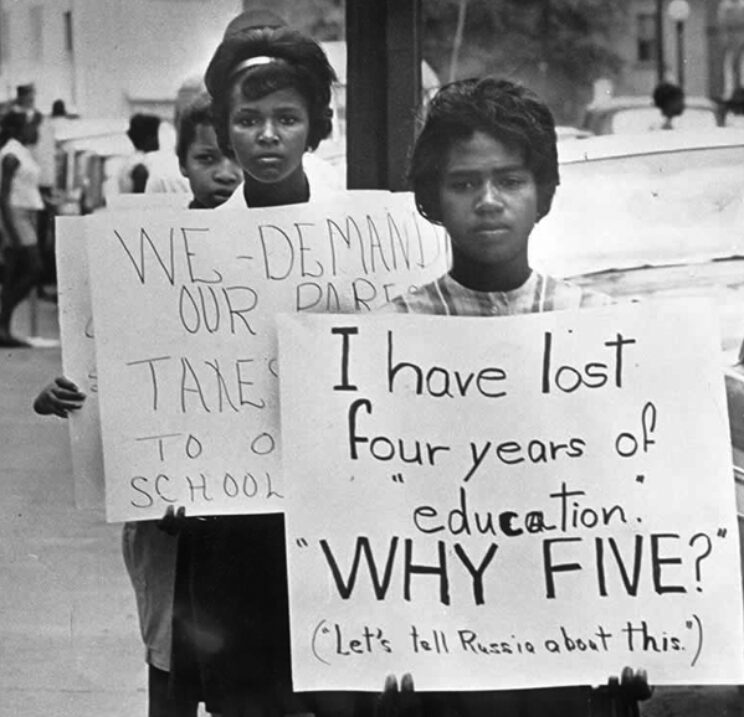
(485, 166)
(149, 551)
(212, 176)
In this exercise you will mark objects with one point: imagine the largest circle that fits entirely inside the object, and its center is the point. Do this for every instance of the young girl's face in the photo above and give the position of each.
(269, 135)
(488, 200)
(212, 176)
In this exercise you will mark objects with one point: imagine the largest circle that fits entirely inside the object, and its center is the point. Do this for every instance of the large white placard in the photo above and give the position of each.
(510, 502)
(78, 346)
(79, 359)
(184, 306)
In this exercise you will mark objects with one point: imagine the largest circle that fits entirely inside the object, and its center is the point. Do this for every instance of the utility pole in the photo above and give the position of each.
(461, 12)
(660, 41)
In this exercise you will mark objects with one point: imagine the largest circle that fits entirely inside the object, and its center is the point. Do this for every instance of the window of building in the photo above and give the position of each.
(646, 42)
(67, 17)
(36, 13)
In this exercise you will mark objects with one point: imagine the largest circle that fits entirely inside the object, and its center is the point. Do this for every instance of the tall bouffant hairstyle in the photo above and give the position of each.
(508, 112)
(289, 59)
(197, 112)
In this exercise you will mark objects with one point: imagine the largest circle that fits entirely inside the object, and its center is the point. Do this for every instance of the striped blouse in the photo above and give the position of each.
(540, 292)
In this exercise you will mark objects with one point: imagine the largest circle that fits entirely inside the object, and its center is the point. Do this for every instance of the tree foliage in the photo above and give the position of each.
(558, 47)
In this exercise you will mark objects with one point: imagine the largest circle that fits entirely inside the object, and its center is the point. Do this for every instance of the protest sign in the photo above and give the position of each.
(510, 502)
(78, 346)
(184, 306)
(79, 359)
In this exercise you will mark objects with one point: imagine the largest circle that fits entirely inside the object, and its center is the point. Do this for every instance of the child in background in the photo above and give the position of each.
(485, 167)
(149, 552)
(212, 176)
(271, 92)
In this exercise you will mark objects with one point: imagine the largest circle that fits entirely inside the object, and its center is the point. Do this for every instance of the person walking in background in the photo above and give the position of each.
(20, 204)
(25, 103)
(45, 153)
(58, 108)
(143, 133)
(670, 99)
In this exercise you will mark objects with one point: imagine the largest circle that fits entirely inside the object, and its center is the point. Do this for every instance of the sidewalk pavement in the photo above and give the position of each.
(69, 640)
(69, 637)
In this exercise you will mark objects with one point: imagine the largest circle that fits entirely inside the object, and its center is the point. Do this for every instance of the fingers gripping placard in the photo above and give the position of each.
(509, 502)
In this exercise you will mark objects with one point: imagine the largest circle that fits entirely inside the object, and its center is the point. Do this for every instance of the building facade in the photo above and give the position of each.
(705, 50)
(108, 58)
(729, 47)
(654, 47)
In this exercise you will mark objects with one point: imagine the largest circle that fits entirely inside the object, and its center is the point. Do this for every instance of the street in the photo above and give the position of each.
(69, 641)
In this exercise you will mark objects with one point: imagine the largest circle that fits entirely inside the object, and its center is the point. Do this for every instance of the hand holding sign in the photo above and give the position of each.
(483, 522)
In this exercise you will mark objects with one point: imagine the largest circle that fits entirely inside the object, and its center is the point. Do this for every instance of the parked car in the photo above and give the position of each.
(564, 132)
(626, 114)
(88, 155)
(658, 215)
(85, 151)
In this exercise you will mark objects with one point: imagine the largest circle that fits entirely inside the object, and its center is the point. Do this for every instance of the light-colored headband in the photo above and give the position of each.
(252, 62)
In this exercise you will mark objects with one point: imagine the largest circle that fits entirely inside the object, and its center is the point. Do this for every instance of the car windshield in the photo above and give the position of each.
(672, 207)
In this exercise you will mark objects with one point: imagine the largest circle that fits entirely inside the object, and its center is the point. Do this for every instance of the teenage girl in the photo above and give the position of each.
(271, 92)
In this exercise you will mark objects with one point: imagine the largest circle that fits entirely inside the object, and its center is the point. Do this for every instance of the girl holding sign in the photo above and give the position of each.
(271, 93)
(485, 167)
(149, 552)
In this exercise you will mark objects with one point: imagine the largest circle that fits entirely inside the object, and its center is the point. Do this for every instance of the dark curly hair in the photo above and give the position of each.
(298, 62)
(506, 111)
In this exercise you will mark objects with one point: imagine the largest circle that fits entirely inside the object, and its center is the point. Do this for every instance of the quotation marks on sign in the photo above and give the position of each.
(321, 628)
(302, 543)
(691, 624)
(397, 478)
